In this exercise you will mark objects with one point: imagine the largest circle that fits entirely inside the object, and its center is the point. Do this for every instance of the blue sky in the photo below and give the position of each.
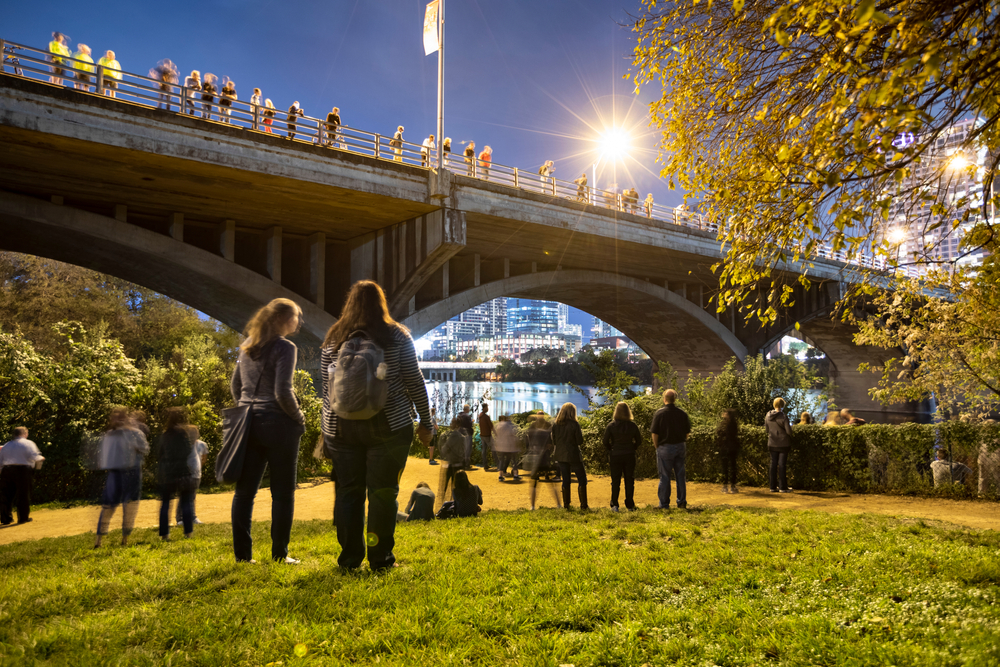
(535, 80)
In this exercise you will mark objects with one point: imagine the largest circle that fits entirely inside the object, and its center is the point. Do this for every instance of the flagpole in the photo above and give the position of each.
(440, 123)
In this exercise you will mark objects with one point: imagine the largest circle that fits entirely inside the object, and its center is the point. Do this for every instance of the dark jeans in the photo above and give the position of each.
(15, 491)
(623, 464)
(487, 445)
(273, 443)
(195, 483)
(184, 490)
(777, 475)
(369, 457)
(728, 467)
(122, 487)
(505, 459)
(672, 457)
(581, 475)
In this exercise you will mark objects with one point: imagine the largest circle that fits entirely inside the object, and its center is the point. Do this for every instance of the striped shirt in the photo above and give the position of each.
(406, 385)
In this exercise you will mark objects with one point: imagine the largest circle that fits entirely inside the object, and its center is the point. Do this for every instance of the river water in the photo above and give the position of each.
(506, 397)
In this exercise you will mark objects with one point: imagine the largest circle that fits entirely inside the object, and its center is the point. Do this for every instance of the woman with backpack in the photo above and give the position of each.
(263, 380)
(371, 382)
(779, 444)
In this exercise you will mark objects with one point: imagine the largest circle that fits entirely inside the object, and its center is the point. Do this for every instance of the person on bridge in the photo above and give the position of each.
(779, 444)
(647, 204)
(581, 188)
(670, 429)
(397, 144)
(465, 424)
(226, 98)
(485, 160)
(292, 116)
(727, 440)
(193, 84)
(486, 435)
(332, 126)
(263, 380)
(426, 148)
(369, 455)
(166, 73)
(622, 439)
(470, 159)
(18, 460)
(112, 73)
(546, 171)
(269, 112)
(123, 447)
(58, 47)
(567, 438)
(446, 148)
(208, 90)
(84, 67)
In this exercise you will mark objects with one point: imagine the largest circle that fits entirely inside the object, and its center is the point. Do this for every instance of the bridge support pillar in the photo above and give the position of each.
(227, 240)
(176, 226)
(317, 268)
(272, 253)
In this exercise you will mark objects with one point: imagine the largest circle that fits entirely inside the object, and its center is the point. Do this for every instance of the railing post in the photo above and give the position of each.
(319, 134)
(256, 116)
(3, 56)
(516, 181)
(378, 145)
(184, 100)
(100, 79)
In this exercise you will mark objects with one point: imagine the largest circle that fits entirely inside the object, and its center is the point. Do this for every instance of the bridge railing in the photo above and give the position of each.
(128, 87)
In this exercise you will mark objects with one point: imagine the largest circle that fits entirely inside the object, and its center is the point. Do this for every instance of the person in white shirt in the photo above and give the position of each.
(18, 460)
(195, 463)
(426, 148)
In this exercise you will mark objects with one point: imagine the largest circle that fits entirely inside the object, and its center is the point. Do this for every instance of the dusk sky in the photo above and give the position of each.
(535, 80)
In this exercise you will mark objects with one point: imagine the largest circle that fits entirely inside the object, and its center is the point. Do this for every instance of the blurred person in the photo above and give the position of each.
(84, 67)
(805, 418)
(567, 438)
(426, 148)
(263, 380)
(485, 160)
(421, 505)
(58, 47)
(470, 159)
(175, 447)
(670, 429)
(947, 472)
(18, 460)
(546, 171)
(581, 187)
(506, 447)
(539, 437)
(989, 468)
(647, 204)
(112, 73)
(123, 447)
(332, 126)
(833, 419)
(453, 454)
(622, 439)
(468, 496)
(269, 111)
(446, 149)
(226, 98)
(727, 440)
(848, 419)
(292, 117)
(195, 463)
(192, 84)
(369, 455)
(256, 101)
(166, 73)
(434, 438)
(486, 435)
(465, 423)
(779, 444)
(397, 144)
(208, 90)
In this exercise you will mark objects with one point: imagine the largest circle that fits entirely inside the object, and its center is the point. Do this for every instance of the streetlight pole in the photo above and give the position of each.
(440, 123)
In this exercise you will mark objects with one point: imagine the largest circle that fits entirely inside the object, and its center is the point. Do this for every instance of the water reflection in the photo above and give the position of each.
(506, 397)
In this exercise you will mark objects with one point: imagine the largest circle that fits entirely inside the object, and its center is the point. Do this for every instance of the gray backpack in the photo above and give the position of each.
(358, 386)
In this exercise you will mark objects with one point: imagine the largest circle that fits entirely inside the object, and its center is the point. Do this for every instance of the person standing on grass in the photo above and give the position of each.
(779, 444)
(567, 438)
(123, 447)
(176, 445)
(263, 380)
(727, 439)
(468, 496)
(195, 463)
(622, 438)
(539, 438)
(465, 424)
(670, 429)
(486, 435)
(18, 460)
(369, 455)
(505, 447)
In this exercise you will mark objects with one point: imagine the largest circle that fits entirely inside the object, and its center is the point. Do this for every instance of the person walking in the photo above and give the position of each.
(226, 98)
(369, 455)
(18, 460)
(567, 438)
(622, 439)
(470, 159)
(293, 114)
(166, 73)
(434, 438)
(465, 424)
(453, 453)
(727, 441)
(581, 188)
(485, 160)
(58, 47)
(112, 73)
(468, 496)
(539, 438)
(208, 91)
(176, 445)
(426, 148)
(486, 435)
(123, 447)
(670, 429)
(192, 85)
(332, 126)
(195, 463)
(506, 447)
(84, 67)
(779, 444)
(421, 505)
(397, 145)
(268, 115)
(263, 380)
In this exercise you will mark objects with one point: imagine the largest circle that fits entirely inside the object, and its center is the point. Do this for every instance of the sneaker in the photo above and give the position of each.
(734, 490)
(433, 462)
(287, 560)
(774, 491)
(471, 468)
(614, 508)
(501, 478)
(632, 509)
(179, 522)
(197, 521)
(785, 491)
(682, 506)
(517, 478)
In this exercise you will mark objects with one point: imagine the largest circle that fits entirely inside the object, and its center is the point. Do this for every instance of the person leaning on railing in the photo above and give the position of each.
(84, 66)
(112, 73)
(58, 47)
(193, 84)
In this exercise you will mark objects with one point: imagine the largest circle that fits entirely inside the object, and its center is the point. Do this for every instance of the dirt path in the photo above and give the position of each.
(315, 501)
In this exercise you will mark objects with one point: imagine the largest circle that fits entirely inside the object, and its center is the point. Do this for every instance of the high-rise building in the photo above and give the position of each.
(532, 316)
(944, 171)
(563, 325)
(602, 329)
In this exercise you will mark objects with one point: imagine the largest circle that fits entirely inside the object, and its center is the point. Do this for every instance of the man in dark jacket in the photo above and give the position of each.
(779, 443)
(670, 430)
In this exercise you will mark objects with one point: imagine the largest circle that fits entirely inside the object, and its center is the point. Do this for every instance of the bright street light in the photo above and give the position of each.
(958, 162)
(897, 236)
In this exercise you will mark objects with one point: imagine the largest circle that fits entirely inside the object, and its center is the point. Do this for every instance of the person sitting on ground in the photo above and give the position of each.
(421, 505)
(468, 496)
(847, 419)
(947, 472)
(453, 455)
(805, 418)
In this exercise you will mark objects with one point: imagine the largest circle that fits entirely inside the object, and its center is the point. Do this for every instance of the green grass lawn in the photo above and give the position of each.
(714, 587)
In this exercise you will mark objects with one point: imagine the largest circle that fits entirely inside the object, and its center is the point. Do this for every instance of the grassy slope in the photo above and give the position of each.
(726, 587)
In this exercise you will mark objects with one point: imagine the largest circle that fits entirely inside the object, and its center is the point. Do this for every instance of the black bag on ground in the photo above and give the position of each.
(447, 510)
(235, 431)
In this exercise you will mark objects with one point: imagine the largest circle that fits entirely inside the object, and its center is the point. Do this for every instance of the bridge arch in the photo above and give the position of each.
(215, 286)
(667, 326)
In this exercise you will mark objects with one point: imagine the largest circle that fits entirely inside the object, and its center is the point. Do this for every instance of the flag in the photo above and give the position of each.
(431, 28)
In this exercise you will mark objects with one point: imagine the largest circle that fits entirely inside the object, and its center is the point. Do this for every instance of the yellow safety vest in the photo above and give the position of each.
(84, 57)
(114, 70)
(58, 48)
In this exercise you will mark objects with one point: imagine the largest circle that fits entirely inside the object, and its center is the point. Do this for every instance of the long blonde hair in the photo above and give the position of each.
(567, 413)
(265, 324)
(623, 411)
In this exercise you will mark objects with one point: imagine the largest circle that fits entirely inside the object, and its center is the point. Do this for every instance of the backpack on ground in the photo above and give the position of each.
(358, 389)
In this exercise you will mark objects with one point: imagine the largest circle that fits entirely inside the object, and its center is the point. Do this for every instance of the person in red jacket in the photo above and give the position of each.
(485, 159)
